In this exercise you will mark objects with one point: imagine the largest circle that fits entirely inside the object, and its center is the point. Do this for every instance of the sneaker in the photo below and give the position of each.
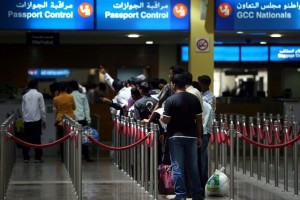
(38, 161)
(26, 161)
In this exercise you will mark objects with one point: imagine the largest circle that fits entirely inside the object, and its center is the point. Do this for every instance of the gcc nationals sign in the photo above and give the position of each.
(257, 15)
(45, 14)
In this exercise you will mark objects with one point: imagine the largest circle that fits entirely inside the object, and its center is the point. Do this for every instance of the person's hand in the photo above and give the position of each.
(161, 138)
(105, 100)
(145, 121)
(199, 143)
(102, 70)
(44, 125)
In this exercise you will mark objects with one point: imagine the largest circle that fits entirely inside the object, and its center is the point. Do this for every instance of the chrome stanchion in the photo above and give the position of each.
(244, 146)
(295, 133)
(231, 132)
(146, 161)
(251, 146)
(258, 130)
(238, 145)
(277, 155)
(285, 132)
(267, 163)
(139, 155)
(216, 131)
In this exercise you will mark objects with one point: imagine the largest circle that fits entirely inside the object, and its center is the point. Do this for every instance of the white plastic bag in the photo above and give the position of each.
(217, 184)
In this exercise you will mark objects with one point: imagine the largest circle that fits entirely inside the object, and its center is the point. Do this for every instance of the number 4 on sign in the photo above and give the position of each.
(202, 44)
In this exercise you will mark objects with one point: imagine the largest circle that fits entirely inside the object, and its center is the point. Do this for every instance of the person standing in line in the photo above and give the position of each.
(145, 105)
(209, 97)
(166, 91)
(64, 105)
(34, 116)
(183, 116)
(82, 113)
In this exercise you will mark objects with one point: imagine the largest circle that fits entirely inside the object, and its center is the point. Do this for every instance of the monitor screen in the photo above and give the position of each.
(184, 53)
(226, 53)
(49, 73)
(254, 53)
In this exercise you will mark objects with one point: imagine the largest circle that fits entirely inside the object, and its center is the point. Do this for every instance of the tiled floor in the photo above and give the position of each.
(102, 180)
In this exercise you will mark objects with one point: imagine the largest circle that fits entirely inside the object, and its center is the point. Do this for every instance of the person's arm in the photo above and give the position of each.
(199, 126)
(43, 110)
(152, 115)
(87, 110)
(109, 80)
(166, 119)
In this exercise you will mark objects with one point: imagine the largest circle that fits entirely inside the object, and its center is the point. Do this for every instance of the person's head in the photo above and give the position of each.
(118, 84)
(154, 83)
(74, 86)
(33, 84)
(162, 83)
(204, 82)
(178, 81)
(188, 78)
(144, 88)
(135, 93)
(174, 70)
(63, 86)
(196, 85)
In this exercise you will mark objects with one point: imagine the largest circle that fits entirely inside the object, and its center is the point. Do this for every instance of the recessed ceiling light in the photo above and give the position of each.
(239, 32)
(275, 35)
(149, 42)
(263, 42)
(133, 36)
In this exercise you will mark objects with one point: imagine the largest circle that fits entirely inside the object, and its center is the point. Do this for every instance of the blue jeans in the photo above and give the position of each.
(204, 161)
(183, 152)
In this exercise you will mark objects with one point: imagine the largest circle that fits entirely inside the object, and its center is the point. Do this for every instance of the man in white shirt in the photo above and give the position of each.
(34, 116)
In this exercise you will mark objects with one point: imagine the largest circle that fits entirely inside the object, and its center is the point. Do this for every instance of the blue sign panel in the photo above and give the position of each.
(143, 15)
(44, 14)
(226, 53)
(257, 15)
(285, 53)
(49, 73)
(254, 53)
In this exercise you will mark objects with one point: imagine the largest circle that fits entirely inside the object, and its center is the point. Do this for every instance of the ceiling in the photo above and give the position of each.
(158, 37)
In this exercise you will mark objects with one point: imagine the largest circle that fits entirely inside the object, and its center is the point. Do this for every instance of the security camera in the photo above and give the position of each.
(248, 40)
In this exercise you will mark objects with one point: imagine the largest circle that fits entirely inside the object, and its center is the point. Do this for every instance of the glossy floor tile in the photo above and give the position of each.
(102, 180)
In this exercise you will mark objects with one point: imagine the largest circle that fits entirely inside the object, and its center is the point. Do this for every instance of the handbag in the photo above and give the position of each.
(166, 181)
(89, 131)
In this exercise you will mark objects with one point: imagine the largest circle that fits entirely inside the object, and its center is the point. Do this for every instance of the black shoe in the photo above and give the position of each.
(89, 160)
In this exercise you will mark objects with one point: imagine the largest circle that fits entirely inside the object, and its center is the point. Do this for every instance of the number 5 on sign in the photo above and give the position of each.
(202, 44)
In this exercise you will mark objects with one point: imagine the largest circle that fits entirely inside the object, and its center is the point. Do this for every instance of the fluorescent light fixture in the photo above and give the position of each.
(133, 36)
(276, 35)
(298, 69)
(149, 42)
(263, 42)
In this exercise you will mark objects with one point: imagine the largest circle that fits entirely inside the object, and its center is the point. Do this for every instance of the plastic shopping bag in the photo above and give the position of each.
(217, 184)
(89, 131)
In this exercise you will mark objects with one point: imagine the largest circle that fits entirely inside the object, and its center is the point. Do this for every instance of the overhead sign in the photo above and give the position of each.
(45, 15)
(143, 15)
(257, 15)
(285, 53)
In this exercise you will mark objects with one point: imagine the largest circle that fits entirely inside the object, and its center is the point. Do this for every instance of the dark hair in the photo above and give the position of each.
(33, 84)
(196, 85)
(179, 80)
(118, 84)
(176, 69)
(135, 92)
(101, 86)
(144, 86)
(163, 81)
(188, 78)
(63, 86)
(154, 83)
(204, 79)
(74, 85)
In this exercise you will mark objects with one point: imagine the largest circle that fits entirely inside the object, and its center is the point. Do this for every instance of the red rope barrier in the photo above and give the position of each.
(270, 146)
(268, 136)
(40, 146)
(117, 148)
(277, 136)
(261, 136)
(252, 131)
